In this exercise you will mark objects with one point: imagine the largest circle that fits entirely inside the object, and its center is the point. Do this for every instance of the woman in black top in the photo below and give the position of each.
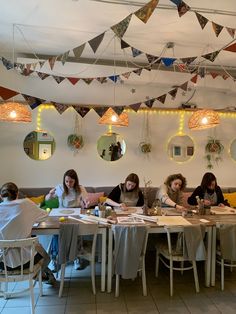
(126, 194)
(209, 191)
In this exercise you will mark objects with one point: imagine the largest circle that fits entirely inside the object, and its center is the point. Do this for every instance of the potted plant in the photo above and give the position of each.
(145, 147)
(75, 142)
(213, 149)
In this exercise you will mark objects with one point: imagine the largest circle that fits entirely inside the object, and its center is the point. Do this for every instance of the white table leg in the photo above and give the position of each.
(213, 257)
(103, 264)
(109, 262)
(209, 257)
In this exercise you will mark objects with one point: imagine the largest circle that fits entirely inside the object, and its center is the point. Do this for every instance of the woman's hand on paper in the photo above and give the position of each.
(123, 206)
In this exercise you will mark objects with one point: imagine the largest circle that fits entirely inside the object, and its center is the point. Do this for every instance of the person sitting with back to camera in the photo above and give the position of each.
(171, 192)
(70, 194)
(127, 194)
(17, 219)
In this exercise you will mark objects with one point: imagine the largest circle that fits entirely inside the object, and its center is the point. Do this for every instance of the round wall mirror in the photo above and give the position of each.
(39, 145)
(111, 146)
(180, 148)
(232, 150)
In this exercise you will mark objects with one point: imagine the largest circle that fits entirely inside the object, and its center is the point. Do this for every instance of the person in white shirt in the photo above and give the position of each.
(17, 219)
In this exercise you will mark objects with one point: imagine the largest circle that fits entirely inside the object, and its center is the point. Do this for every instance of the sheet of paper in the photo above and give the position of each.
(130, 220)
(226, 210)
(36, 224)
(64, 212)
(172, 221)
(129, 210)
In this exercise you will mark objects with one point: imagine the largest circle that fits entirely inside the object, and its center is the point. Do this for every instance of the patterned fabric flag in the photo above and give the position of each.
(201, 19)
(138, 71)
(146, 11)
(231, 48)
(78, 51)
(42, 75)
(217, 28)
(102, 79)
(225, 76)
(149, 103)
(120, 28)
(81, 110)
(100, 110)
(26, 72)
(64, 57)
(33, 65)
(52, 62)
(73, 80)
(87, 80)
(182, 67)
(184, 86)
(173, 92)
(162, 98)
(114, 78)
(41, 63)
(168, 61)
(136, 52)
(34, 102)
(58, 79)
(95, 42)
(20, 66)
(126, 74)
(188, 60)
(194, 79)
(231, 31)
(60, 107)
(7, 63)
(124, 44)
(135, 107)
(6, 93)
(183, 8)
(177, 2)
(214, 75)
(118, 109)
(151, 58)
(211, 56)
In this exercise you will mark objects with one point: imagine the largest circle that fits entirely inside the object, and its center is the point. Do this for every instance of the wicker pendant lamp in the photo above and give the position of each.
(15, 112)
(110, 117)
(203, 119)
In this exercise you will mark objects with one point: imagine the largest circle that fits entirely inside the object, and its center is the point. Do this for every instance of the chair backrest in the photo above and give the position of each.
(18, 247)
(227, 233)
(179, 247)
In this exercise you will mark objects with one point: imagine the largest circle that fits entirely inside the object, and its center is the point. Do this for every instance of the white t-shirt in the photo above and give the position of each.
(17, 219)
(72, 199)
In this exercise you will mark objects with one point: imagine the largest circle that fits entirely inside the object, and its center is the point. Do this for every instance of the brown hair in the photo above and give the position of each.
(132, 177)
(176, 176)
(10, 191)
(73, 175)
(207, 179)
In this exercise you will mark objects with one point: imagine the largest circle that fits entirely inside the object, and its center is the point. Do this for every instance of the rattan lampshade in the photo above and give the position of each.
(203, 119)
(15, 112)
(112, 118)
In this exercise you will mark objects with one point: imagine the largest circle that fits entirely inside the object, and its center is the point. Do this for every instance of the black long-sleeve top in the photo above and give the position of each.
(200, 192)
(116, 192)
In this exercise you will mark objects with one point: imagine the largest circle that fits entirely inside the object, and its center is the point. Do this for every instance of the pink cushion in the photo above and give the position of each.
(185, 198)
(93, 198)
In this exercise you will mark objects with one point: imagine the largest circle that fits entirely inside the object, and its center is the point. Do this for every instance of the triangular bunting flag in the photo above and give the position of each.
(126, 74)
(214, 75)
(211, 56)
(81, 110)
(188, 60)
(120, 28)
(87, 80)
(146, 11)
(151, 58)
(41, 63)
(58, 79)
(173, 92)
(34, 102)
(168, 61)
(114, 78)
(102, 79)
(100, 110)
(231, 31)
(64, 57)
(201, 19)
(136, 52)
(225, 76)
(73, 80)
(183, 8)
(202, 72)
(118, 109)
(217, 28)
(162, 98)
(182, 67)
(42, 75)
(7, 63)
(177, 2)
(231, 48)
(6, 93)
(26, 72)
(60, 107)
(138, 71)
(33, 65)
(51, 62)
(95, 42)
(135, 107)
(78, 51)
(194, 79)
(149, 103)
(184, 86)
(124, 44)
(20, 66)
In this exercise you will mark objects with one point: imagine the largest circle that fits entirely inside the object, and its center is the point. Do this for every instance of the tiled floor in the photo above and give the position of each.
(78, 297)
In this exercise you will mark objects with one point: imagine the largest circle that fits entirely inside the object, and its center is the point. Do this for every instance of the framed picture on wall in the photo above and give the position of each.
(190, 150)
(177, 151)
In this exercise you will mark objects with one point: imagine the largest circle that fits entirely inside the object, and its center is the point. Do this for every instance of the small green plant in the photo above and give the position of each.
(213, 149)
(75, 142)
(145, 147)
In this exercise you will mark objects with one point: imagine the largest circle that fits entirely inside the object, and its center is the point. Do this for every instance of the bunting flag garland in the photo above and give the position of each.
(162, 98)
(26, 72)
(168, 61)
(41, 63)
(123, 44)
(114, 78)
(151, 58)
(73, 80)
(177, 2)
(64, 57)
(95, 42)
(78, 51)
(146, 11)
(138, 71)
(149, 103)
(6, 93)
(120, 28)
(102, 79)
(202, 20)
(60, 107)
(231, 48)
(135, 107)
(182, 67)
(136, 52)
(225, 76)
(100, 110)
(118, 109)
(173, 92)
(58, 79)
(81, 110)
(87, 80)
(33, 102)
(7, 63)
(182, 8)
(217, 28)
(211, 56)
(188, 60)
(184, 86)
(126, 74)
(231, 31)
(42, 75)
(52, 61)
(214, 75)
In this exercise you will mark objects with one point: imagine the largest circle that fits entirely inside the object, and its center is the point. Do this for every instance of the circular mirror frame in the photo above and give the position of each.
(111, 146)
(180, 152)
(230, 149)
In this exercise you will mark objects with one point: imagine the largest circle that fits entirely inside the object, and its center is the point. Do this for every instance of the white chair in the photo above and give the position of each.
(169, 252)
(20, 275)
(86, 252)
(141, 264)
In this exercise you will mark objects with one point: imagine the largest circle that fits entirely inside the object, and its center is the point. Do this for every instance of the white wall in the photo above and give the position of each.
(18, 167)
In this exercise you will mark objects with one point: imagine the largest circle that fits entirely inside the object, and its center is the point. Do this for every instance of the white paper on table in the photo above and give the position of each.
(226, 210)
(130, 210)
(61, 211)
(172, 221)
(94, 218)
(147, 218)
(130, 220)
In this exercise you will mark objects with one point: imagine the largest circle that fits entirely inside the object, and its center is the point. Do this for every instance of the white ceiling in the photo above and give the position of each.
(45, 28)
